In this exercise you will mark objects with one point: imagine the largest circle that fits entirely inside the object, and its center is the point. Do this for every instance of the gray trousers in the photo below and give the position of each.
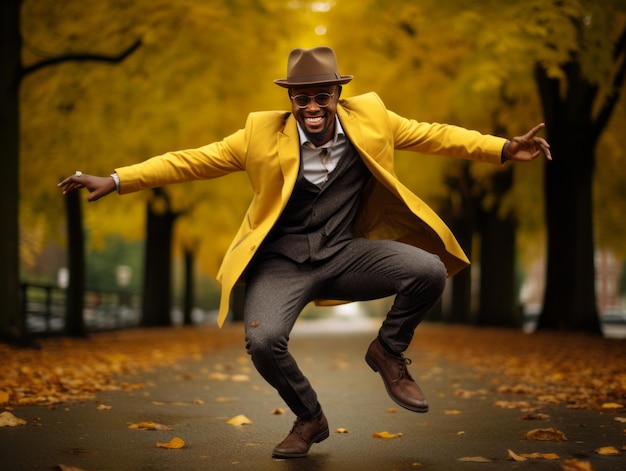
(279, 288)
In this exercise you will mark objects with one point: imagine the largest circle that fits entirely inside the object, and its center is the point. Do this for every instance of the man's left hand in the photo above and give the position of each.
(527, 147)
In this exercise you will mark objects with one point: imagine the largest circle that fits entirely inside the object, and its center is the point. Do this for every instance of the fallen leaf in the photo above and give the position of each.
(514, 456)
(218, 376)
(104, 407)
(174, 444)
(475, 459)
(452, 412)
(341, 430)
(386, 435)
(546, 434)
(278, 411)
(611, 406)
(607, 450)
(576, 465)
(254, 324)
(4, 397)
(9, 420)
(62, 467)
(621, 419)
(239, 420)
(239, 378)
(532, 456)
(224, 399)
(391, 410)
(511, 404)
(149, 426)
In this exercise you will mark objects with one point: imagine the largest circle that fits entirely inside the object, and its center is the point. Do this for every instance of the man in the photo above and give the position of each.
(329, 220)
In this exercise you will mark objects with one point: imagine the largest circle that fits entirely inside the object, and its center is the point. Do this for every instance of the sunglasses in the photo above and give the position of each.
(322, 100)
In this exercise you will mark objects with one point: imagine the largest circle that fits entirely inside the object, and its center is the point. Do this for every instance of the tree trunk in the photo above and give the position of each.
(75, 297)
(498, 294)
(12, 322)
(570, 298)
(189, 287)
(461, 219)
(156, 305)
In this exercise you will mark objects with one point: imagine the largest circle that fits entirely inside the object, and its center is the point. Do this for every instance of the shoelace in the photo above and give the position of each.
(296, 427)
(404, 372)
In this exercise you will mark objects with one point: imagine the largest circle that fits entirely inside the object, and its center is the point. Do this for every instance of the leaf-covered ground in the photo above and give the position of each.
(577, 370)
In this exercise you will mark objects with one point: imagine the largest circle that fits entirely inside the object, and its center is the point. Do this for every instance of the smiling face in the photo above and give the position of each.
(318, 122)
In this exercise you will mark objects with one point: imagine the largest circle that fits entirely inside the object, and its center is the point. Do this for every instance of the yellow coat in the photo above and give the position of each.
(268, 149)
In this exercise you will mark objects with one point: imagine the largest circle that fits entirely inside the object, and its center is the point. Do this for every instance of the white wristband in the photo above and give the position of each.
(116, 179)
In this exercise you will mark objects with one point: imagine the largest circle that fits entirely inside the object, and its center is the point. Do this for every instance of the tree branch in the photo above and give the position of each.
(81, 57)
(619, 54)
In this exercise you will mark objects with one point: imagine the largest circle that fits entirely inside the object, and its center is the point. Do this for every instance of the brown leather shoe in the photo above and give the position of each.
(303, 434)
(400, 385)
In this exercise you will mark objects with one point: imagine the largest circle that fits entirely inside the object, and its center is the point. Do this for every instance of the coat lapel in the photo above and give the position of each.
(289, 155)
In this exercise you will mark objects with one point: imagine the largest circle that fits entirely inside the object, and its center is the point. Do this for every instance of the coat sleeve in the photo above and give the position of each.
(445, 139)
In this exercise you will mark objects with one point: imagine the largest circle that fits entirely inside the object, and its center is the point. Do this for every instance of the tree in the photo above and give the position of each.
(11, 321)
(578, 99)
(156, 293)
(187, 86)
(572, 51)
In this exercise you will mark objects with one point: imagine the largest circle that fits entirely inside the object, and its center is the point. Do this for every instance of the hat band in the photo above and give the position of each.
(314, 78)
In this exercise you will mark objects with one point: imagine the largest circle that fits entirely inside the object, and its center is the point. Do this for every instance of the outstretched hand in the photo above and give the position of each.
(527, 147)
(97, 186)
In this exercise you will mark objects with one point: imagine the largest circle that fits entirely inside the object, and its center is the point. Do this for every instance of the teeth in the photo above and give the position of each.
(317, 119)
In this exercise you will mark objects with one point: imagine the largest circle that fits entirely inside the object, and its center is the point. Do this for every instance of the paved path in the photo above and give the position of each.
(196, 398)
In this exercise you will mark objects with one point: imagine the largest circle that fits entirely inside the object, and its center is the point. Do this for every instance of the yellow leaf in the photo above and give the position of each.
(576, 465)
(174, 443)
(607, 450)
(386, 435)
(621, 419)
(278, 411)
(341, 430)
(545, 456)
(9, 420)
(515, 457)
(4, 397)
(239, 420)
(218, 376)
(546, 434)
(452, 412)
(104, 407)
(611, 406)
(239, 378)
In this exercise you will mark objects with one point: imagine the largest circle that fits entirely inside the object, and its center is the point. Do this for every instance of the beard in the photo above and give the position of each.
(319, 138)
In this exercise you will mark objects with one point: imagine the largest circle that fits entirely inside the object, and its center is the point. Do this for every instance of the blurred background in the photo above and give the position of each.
(110, 83)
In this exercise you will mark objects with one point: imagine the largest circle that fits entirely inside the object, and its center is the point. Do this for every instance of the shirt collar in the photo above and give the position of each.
(304, 141)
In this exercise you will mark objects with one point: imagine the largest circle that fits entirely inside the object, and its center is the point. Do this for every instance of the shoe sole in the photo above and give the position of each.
(320, 438)
(373, 366)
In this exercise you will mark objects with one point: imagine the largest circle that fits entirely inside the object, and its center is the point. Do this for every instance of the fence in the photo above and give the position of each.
(43, 308)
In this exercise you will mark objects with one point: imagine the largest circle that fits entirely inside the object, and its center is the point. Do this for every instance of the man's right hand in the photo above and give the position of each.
(97, 186)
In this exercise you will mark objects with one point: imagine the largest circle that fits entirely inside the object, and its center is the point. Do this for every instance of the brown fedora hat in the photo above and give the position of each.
(315, 66)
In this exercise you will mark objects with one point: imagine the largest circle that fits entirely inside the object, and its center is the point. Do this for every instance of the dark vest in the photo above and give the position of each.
(317, 221)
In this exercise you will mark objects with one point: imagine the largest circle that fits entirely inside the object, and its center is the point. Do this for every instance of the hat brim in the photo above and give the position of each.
(286, 83)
